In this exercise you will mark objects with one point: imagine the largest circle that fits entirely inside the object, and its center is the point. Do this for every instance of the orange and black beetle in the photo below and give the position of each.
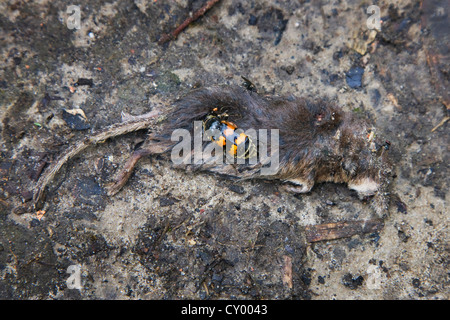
(223, 132)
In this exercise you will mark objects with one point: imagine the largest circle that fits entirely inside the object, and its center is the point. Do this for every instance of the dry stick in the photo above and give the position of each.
(440, 123)
(287, 271)
(337, 230)
(109, 132)
(197, 14)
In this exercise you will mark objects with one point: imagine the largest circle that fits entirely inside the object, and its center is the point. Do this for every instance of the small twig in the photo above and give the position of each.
(10, 249)
(337, 230)
(197, 14)
(160, 237)
(287, 271)
(440, 123)
(206, 288)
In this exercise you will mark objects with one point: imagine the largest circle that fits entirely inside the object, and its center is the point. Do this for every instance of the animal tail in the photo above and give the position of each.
(115, 130)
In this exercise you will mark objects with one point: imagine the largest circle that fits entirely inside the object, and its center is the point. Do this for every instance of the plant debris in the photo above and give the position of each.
(345, 229)
(197, 14)
(76, 119)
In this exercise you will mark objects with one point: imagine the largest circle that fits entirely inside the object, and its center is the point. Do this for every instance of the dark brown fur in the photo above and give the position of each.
(318, 141)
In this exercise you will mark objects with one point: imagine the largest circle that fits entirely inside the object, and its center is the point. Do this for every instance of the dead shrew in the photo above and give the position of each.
(316, 142)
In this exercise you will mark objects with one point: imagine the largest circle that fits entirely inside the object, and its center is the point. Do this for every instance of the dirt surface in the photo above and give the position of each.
(171, 234)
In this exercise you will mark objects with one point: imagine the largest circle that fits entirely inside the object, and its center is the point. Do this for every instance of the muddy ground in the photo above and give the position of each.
(171, 234)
